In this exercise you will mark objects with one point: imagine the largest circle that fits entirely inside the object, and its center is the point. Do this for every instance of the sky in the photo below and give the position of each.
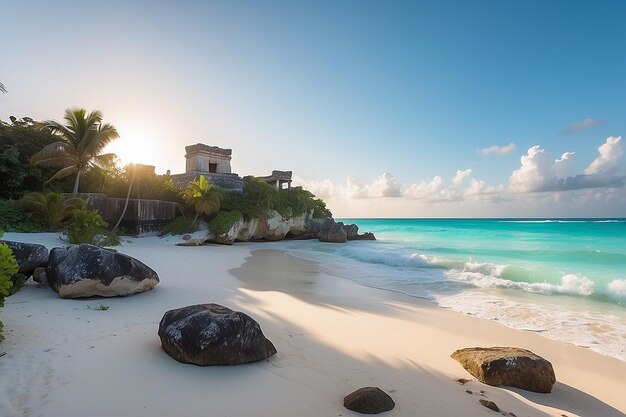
(383, 109)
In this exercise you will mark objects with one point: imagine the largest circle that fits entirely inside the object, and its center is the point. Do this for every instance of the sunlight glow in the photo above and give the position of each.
(135, 144)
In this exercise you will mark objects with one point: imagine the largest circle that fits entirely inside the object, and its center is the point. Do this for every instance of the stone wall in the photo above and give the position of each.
(142, 215)
(228, 182)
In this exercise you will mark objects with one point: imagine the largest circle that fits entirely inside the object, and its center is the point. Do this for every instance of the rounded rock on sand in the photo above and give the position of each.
(369, 400)
(211, 334)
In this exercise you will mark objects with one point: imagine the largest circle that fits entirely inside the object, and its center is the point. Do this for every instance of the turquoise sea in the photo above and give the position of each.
(564, 278)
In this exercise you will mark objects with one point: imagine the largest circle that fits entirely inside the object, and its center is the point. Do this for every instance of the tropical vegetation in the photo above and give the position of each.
(205, 198)
(50, 209)
(88, 226)
(19, 141)
(8, 268)
(81, 142)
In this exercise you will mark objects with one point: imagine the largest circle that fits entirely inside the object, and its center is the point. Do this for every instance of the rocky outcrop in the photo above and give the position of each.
(211, 334)
(273, 227)
(331, 231)
(369, 400)
(229, 236)
(87, 271)
(509, 366)
(352, 233)
(28, 255)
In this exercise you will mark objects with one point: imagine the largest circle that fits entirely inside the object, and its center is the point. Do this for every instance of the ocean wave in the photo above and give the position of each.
(561, 221)
(570, 284)
(493, 275)
(617, 288)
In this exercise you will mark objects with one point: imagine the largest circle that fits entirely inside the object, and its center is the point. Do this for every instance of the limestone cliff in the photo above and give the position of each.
(230, 228)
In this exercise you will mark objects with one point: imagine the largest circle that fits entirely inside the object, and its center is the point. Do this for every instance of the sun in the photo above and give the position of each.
(135, 145)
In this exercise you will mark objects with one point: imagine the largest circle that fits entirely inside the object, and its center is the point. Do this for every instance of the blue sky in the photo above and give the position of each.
(344, 92)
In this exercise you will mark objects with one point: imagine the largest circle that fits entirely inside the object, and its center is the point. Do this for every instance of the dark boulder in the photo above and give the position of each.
(369, 400)
(352, 231)
(28, 255)
(211, 334)
(365, 236)
(509, 366)
(331, 231)
(88, 270)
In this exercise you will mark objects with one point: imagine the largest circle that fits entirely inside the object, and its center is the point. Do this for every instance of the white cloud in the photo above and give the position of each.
(564, 166)
(539, 172)
(499, 150)
(536, 172)
(608, 161)
(321, 189)
(582, 125)
(541, 186)
(425, 190)
(354, 187)
(384, 186)
(480, 187)
(460, 176)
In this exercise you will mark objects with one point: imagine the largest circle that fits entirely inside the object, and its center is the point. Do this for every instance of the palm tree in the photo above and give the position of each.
(50, 209)
(131, 171)
(82, 140)
(204, 197)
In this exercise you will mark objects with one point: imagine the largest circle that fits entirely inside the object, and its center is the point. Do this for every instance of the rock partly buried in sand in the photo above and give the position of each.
(369, 400)
(508, 366)
(489, 404)
(28, 255)
(211, 334)
(87, 271)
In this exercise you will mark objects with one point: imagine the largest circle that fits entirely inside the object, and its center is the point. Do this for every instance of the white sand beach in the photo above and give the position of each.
(66, 358)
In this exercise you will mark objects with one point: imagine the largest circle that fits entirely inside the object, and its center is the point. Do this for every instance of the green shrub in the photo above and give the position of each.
(87, 226)
(8, 268)
(51, 209)
(15, 219)
(180, 226)
(224, 221)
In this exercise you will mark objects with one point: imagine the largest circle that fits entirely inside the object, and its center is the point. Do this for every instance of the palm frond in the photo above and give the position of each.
(100, 139)
(62, 173)
(54, 154)
(104, 161)
(3, 89)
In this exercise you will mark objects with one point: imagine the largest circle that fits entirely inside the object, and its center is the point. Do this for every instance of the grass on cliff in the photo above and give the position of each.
(180, 226)
(224, 221)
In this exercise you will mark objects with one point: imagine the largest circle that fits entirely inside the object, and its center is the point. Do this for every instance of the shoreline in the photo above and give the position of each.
(333, 336)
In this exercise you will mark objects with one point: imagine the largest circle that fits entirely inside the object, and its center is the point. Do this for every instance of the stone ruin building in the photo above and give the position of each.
(214, 163)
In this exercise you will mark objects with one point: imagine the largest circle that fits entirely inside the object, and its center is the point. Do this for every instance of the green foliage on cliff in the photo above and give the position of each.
(299, 201)
(180, 226)
(87, 226)
(259, 197)
(224, 221)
